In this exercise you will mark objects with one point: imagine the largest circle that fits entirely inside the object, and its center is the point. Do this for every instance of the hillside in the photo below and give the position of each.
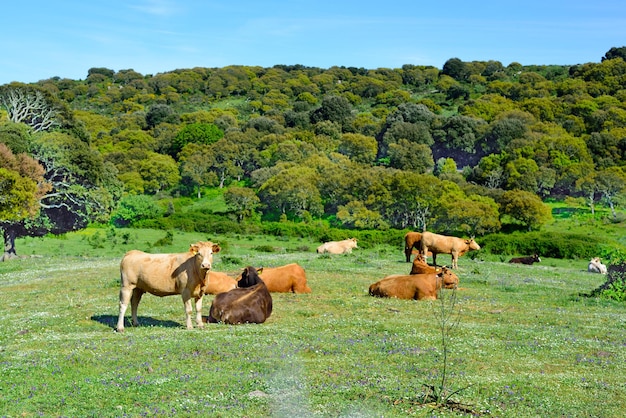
(466, 149)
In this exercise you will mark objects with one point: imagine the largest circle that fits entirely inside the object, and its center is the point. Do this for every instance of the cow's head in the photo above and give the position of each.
(471, 244)
(203, 251)
(450, 280)
(250, 277)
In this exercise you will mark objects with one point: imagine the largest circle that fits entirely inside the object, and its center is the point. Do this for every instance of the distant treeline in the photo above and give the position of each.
(462, 149)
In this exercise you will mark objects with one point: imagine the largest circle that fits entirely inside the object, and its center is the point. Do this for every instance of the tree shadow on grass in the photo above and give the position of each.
(144, 321)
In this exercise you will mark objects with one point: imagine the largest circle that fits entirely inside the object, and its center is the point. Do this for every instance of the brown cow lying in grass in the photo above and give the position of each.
(338, 247)
(451, 280)
(285, 279)
(219, 283)
(443, 244)
(412, 286)
(411, 240)
(250, 303)
(526, 260)
(164, 275)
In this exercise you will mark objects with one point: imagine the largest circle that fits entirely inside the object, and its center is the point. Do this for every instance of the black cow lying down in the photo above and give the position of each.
(526, 260)
(250, 303)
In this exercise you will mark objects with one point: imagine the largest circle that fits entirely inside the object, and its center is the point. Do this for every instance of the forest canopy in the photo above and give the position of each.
(459, 149)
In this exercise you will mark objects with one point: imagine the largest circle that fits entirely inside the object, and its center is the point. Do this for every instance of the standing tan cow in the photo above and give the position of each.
(412, 240)
(164, 275)
(338, 247)
(442, 244)
(285, 279)
(412, 286)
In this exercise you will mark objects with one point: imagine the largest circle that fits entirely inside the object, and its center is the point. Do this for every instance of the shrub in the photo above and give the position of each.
(615, 286)
(135, 208)
(555, 245)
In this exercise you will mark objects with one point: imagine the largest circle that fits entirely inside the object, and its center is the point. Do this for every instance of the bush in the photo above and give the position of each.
(555, 245)
(135, 208)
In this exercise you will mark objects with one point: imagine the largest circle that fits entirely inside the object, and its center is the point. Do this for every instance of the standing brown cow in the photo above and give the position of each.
(442, 244)
(164, 275)
(412, 240)
(250, 303)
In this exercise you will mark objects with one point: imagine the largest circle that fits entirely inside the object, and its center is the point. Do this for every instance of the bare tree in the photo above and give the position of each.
(29, 106)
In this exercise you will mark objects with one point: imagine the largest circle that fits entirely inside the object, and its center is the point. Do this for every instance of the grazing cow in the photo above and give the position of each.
(337, 247)
(285, 279)
(412, 286)
(596, 266)
(526, 260)
(164, 275)
(250, 303)
(411, 240)
(442, 244)
(219, 283)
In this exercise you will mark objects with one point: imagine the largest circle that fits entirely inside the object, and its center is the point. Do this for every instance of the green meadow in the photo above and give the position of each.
(528, 342)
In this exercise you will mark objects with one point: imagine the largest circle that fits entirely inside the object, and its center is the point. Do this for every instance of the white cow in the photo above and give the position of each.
(596, 266)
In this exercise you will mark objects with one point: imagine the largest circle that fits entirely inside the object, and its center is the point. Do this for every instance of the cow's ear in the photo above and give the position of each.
(216, 248)
(193, 248)
(259, 270)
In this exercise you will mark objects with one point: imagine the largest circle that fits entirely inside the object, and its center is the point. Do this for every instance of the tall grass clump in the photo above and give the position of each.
(447, 315)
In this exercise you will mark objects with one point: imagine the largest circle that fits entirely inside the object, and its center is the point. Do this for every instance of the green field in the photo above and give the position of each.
(528, 342)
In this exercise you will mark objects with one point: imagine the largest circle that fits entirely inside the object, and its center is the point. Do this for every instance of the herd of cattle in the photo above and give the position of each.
(247, 299)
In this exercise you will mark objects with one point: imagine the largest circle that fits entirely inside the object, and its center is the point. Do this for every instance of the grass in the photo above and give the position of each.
(527, 343)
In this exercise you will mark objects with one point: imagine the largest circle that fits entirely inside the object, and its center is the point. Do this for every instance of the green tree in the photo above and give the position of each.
(356, 215)
(21, 185)
(334, 109)
(611, 182)
(242, 200)
(81, 189)
(526, 208)
(293, 192)
(588, 187)
(198, 133)
(615, 52)
(414, 200)
(473, 215)
(359, 148)
(521, 173)
(196, 162)
(407, 155)
(456, 69)
(159, 172)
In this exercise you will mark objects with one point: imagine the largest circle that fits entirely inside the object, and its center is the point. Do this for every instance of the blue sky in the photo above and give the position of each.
(43, 39)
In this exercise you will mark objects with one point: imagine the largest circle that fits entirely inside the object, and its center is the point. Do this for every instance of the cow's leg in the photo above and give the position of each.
(186, 295)
(455, 260)
(407, 252)
(434, 257)
(199, 312)
(125, 294)
(134, 304)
